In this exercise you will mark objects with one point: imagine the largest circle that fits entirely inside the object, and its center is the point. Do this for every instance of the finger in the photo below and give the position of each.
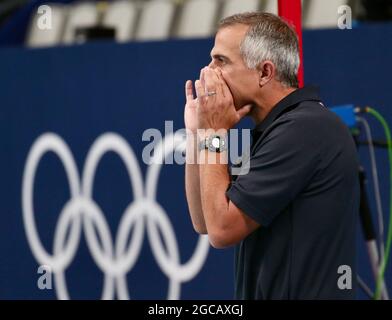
(225, 87)
(201, 77)
(199, 89)
(221, 83)
(188, 90)
(244, 111)
(211, 82)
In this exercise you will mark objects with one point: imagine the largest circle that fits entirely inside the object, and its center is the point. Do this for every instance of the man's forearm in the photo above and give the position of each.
(192, 185)
(214, 180)
(225, 222)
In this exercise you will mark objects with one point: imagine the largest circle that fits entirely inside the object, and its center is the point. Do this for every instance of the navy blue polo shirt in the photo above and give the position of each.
(303, 190)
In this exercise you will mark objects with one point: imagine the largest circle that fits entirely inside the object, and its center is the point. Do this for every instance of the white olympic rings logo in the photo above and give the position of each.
(81, 211)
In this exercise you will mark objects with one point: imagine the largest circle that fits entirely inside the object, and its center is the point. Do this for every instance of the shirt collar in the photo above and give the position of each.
(303, 94)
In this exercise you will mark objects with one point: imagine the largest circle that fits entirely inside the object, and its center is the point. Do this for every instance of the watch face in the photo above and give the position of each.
(215, 142)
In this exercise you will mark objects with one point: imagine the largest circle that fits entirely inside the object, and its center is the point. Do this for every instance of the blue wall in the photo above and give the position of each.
(83, 91)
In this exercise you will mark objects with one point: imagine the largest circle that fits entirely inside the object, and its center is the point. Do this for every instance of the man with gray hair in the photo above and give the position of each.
(292, 217)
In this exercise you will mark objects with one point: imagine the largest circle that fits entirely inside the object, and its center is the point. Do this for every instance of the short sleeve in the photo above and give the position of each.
(281, 166)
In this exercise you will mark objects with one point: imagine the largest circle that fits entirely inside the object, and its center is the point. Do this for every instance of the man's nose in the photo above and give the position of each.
(212, 65)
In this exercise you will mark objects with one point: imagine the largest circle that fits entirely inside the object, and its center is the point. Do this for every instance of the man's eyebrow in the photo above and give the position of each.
(217, 55)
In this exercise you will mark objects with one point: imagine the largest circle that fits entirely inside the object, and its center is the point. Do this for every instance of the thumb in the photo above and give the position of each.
(244, 111)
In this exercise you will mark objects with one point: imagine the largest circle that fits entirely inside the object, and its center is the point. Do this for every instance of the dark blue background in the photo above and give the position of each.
(83, 91)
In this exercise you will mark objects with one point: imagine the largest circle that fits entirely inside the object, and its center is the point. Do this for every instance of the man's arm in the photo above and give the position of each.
(192, 185)
(192, 173)
(225, 222)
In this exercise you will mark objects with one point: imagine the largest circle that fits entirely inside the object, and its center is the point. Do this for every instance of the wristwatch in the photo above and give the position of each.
(214, 143)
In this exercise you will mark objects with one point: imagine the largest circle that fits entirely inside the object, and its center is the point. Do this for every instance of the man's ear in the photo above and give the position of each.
(266, 70)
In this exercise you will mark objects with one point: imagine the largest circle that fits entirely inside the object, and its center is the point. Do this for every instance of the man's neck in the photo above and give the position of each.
(266, 102)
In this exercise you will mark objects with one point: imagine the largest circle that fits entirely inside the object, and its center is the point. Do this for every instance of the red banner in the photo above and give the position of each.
(291, 11)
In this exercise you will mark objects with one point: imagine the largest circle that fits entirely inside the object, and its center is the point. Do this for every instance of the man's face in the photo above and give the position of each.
(242, 81)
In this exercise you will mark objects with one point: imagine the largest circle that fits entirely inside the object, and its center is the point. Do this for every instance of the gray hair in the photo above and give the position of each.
(269, 38)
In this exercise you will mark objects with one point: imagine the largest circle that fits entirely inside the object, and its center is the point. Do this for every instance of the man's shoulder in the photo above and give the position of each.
(310, 125)
(311, 117)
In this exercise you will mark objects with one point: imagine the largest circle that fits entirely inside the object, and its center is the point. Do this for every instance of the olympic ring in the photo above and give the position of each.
(81, 212)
